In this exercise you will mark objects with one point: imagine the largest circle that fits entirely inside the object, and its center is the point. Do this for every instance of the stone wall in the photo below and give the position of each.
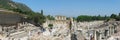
(9, 18)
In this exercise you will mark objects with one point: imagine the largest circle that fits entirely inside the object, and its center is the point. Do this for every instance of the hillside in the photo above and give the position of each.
(22, 9)
(10, 5)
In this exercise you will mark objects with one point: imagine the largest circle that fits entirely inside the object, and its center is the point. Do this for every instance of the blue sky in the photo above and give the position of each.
(74, 7)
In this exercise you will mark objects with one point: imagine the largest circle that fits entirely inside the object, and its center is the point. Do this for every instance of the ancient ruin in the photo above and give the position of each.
(15, 27)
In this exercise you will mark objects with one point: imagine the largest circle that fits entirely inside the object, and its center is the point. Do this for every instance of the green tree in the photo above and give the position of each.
(113, 16)
(50, 17)
(106, 17)
(91, 18)
(119, 14)
(42, 12)
(50, 26)
(118, 18)
(36, 19)
(84, 18)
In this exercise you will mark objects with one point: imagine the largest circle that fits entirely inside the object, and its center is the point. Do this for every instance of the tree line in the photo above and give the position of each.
(82, 18)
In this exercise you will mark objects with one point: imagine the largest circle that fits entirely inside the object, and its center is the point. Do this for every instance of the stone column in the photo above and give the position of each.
(113, 29)
(109, 30)
(100, 36)
(0, 28)
(95, 36)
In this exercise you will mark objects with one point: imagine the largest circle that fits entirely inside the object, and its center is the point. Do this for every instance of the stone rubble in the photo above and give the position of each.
(62, 30)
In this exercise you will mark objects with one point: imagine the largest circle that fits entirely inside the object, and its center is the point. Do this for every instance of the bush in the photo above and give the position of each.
(50, 26)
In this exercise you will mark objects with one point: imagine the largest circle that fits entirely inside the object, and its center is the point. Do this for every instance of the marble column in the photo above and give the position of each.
(95, 36)
(100, 36)
(109, 30)
(113, 29)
